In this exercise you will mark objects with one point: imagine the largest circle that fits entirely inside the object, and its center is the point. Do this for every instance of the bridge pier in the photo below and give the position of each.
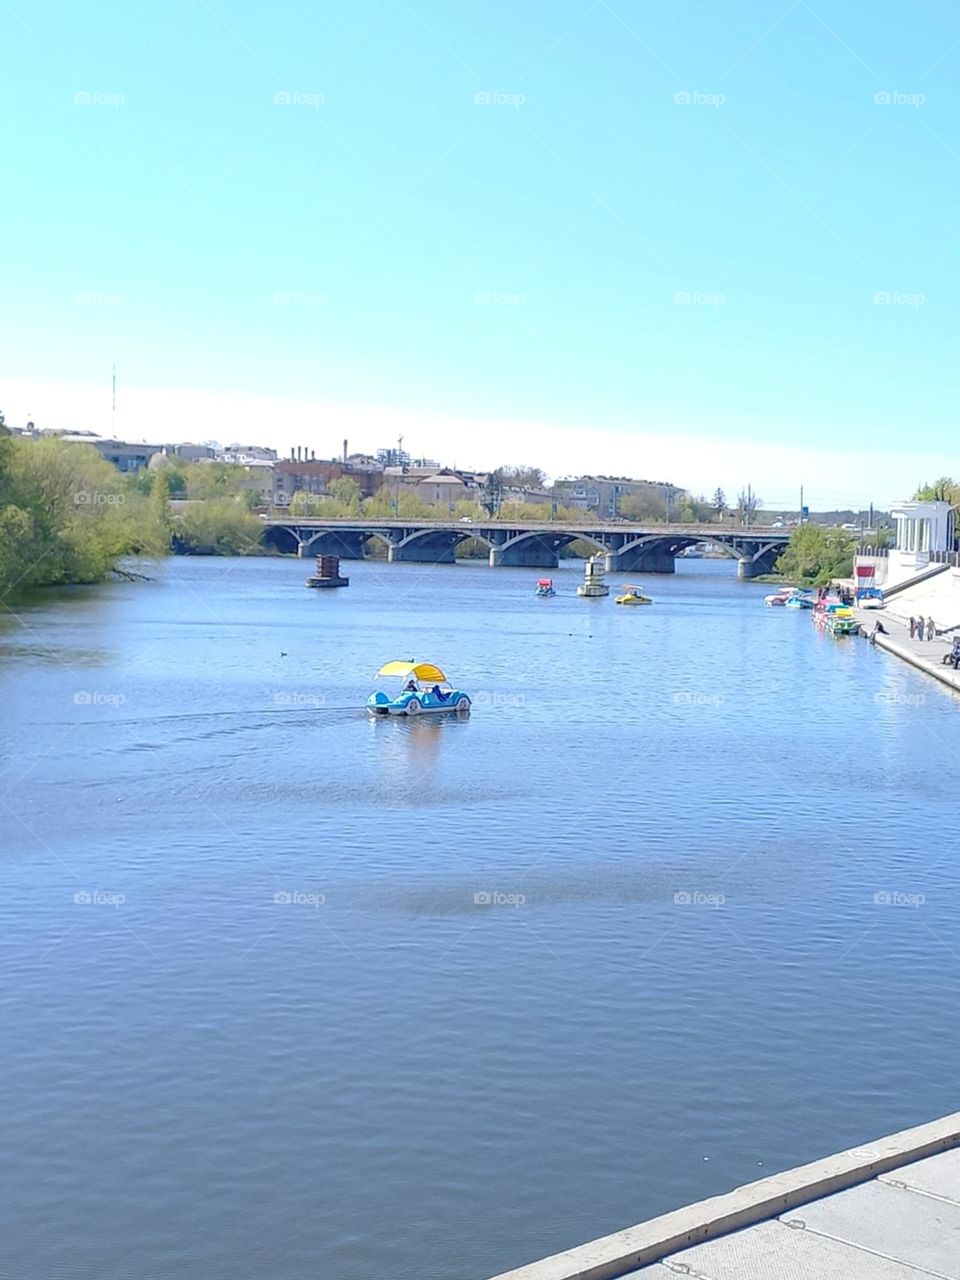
(753, 566)
(423, 551)
(648, 559)
(530, 554)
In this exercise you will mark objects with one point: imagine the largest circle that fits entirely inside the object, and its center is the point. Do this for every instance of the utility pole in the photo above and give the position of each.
(113, 405)
(396, 500)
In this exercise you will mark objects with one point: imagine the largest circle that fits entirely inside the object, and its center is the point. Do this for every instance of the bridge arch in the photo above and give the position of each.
(681, 540)
(456, 533)
(556, 539)
(766, 550)
(281, 538)
(348, 544)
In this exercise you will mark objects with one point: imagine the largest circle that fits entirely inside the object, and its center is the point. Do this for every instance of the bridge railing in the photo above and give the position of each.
(703, 531)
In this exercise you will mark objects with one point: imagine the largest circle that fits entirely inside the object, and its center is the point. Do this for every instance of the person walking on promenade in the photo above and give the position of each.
(913, 626)
(931, 630)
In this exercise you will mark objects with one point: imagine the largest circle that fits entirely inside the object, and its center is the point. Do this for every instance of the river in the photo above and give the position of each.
(292, 993)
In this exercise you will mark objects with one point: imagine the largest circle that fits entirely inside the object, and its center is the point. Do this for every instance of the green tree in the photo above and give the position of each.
(719, 503)
(219, 526)
(816, 555)
(158, 507)
(303, 503)
(385, 502)
(413, 508)
(66, 515)
(346, 492)
(941, 490)
(213, 479)
(650, 507)
(380, 503)
(693, 510)
(469, 509)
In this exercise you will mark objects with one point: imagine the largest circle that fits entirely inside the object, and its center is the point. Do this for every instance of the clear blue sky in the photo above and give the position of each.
(156, 224)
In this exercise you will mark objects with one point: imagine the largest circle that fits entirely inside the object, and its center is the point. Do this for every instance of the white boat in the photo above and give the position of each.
(870, 598)
(779, 597)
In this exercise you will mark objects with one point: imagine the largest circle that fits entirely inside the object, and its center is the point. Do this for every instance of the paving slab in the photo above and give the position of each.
(888, 1221)
(926, 655)
(833, 1219)
(774, 1251)
(935, 1176)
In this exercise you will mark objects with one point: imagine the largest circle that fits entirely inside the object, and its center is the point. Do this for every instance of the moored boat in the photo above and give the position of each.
(870, 598)
(824, 607)
(841, 622)
(801, 600)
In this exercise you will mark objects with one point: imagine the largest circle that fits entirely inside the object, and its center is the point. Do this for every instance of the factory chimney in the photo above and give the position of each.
(344, 450)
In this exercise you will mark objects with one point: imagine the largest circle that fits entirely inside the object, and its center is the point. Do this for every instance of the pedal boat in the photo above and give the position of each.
(426, 691)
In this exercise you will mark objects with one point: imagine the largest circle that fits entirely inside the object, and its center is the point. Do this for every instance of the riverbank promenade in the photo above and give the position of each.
(889, 1210)
(926, 655)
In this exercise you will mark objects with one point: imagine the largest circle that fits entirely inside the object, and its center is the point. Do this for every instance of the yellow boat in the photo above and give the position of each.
(632, 595)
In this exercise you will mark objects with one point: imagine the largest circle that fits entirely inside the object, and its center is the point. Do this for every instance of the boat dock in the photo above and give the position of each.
(889, 1210)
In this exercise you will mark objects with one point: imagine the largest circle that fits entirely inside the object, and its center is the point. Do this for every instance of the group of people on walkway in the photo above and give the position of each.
(922, 630)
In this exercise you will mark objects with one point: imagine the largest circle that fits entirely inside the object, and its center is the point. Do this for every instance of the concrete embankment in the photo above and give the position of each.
(925, 655)
(933, 595)
(875, 1225)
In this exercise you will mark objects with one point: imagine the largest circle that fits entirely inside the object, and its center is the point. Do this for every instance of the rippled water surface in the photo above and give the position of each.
(290, 993)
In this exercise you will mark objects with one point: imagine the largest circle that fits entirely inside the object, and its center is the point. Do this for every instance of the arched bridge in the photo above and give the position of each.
(646, 548)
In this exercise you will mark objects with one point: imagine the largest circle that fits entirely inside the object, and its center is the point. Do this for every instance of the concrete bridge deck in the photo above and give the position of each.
(627, 546)
(886, 1211)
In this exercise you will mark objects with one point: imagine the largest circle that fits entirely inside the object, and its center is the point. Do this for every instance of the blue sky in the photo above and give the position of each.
(687, 241)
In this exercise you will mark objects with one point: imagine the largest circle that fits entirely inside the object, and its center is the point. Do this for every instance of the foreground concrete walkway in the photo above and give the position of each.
(901, 1226)
(886, 1211)
(923, 654)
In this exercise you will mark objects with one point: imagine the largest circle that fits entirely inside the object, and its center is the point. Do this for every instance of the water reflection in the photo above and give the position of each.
(409, 746)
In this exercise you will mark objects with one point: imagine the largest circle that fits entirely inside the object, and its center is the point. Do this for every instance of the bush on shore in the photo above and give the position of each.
(67, 515)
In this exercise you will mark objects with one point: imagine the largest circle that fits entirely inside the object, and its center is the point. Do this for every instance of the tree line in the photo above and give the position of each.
(67, 515)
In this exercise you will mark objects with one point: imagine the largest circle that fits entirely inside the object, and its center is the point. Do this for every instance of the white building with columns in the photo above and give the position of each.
(925, 530)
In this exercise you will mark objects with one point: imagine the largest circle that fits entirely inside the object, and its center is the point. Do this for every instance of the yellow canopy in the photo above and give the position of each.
(426, 671)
